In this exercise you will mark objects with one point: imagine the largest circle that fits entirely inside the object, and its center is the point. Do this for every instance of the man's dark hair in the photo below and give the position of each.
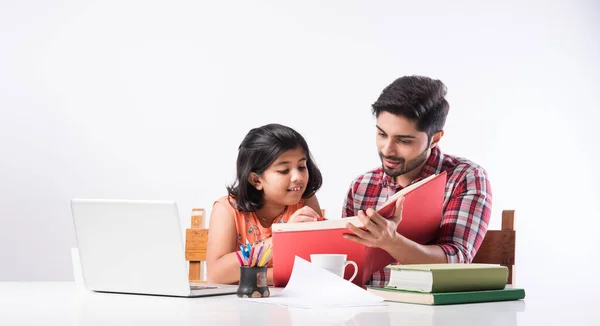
(416, 98)
(259, 149)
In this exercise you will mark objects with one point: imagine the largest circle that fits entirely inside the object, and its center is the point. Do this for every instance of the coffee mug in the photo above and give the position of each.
(335, 263)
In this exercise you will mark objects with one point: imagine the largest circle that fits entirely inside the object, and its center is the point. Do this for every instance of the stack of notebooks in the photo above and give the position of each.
(439, 284)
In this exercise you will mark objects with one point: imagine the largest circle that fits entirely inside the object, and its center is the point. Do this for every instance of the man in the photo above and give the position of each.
(410, 116)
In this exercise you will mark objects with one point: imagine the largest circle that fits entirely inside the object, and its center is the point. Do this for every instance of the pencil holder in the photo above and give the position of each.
(253, 282)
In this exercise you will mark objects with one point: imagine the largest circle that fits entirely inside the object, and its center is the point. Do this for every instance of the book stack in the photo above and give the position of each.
(440, 284)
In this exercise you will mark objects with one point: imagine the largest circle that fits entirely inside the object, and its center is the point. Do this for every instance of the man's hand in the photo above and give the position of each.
(304, 214)
(380, 232)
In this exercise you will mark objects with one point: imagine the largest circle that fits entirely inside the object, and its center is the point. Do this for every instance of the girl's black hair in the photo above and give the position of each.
(259, 149)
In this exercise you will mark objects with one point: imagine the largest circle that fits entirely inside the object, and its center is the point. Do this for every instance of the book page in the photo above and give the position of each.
(319, 225)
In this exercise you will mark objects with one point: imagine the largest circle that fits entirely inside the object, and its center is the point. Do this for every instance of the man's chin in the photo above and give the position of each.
(391, 172)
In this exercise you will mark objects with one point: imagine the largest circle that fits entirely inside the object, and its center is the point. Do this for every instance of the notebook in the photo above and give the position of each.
(134, 246)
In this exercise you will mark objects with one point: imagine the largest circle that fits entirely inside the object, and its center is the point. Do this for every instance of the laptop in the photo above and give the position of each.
(136, 247)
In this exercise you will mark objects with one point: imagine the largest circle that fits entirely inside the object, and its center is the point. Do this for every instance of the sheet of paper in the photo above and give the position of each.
(313, 287)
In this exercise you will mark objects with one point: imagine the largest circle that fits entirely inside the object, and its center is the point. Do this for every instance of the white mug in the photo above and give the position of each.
(335, 263)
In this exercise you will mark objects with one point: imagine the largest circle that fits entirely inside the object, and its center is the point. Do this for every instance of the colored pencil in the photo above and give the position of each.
(237, 254)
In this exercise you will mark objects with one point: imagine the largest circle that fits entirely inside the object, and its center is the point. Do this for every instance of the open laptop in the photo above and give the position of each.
(135, 246)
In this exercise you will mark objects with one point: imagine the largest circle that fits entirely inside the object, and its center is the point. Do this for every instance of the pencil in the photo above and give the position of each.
(251, 259)
(237, 254)
(243, 249)
(266, 258)
(263, 261)
(258, 257)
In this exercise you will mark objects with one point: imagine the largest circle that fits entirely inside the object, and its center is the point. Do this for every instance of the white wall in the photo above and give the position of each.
(151, 99)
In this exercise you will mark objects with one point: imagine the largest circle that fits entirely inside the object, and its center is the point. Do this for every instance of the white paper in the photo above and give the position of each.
(313, 287)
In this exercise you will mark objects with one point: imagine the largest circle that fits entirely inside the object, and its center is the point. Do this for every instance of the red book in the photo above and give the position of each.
(421, 219)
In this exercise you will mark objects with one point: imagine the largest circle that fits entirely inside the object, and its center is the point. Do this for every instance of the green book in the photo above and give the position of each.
(396, 295)
(436, 278)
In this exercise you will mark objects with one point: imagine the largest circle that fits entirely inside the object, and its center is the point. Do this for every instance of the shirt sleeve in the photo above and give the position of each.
(466, 217)
(348, 209)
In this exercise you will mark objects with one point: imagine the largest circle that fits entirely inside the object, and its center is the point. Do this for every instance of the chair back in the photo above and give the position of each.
(498, 246)
(196, 242)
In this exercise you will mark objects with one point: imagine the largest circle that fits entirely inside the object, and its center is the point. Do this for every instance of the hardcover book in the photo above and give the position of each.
(447, 277)
(421, 219)
(443, 298)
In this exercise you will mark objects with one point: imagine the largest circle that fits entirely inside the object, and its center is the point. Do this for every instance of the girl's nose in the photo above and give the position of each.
(296, 175)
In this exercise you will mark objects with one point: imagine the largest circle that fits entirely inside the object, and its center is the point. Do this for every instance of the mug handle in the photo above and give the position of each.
(350, 262)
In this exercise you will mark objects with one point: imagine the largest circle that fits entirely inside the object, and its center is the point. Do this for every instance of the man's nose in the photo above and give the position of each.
(387, 149)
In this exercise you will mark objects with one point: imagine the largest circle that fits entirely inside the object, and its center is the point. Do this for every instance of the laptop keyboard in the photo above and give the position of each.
(202, 287)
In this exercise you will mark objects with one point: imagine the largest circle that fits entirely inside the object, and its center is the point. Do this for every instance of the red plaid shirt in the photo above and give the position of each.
(466, 211)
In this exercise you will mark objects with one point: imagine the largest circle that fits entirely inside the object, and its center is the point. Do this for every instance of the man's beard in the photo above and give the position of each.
(405, 166)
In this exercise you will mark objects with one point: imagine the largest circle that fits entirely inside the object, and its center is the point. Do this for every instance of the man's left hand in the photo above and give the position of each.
(379, 232)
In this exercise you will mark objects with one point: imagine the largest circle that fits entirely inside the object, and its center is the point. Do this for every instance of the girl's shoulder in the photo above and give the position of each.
(226, 200)
(228, 203)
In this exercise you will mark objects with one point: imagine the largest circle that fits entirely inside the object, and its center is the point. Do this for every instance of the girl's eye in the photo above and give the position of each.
(302, 168)
(283, 171)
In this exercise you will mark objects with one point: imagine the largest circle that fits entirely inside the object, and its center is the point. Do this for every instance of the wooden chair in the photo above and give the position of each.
(498, 246)
(196, 242)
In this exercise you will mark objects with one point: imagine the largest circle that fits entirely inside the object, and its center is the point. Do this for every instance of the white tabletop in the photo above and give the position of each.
(68, 304)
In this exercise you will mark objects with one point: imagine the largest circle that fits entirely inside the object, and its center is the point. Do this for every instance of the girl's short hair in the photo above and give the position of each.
(259, 149)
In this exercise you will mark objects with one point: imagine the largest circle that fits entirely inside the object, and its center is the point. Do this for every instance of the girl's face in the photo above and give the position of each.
(285, 180)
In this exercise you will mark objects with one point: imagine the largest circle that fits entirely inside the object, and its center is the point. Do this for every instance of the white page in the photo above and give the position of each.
(313, 287)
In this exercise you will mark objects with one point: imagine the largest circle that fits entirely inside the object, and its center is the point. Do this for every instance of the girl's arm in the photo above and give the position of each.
(313, 203)
(221, 263)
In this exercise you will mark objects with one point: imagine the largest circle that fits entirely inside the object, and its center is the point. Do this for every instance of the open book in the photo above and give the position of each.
(421, 219)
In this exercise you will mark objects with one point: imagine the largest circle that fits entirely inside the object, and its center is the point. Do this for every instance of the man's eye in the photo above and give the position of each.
(405, 142)
(381, 134)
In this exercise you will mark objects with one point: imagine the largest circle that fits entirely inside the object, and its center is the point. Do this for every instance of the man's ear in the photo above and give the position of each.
(435, 139)
(255, 181)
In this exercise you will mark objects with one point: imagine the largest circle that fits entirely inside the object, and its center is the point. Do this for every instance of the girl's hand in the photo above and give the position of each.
(266, 243)
(304, 214)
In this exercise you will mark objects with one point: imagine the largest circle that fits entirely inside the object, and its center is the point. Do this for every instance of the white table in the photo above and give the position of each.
(68, 304)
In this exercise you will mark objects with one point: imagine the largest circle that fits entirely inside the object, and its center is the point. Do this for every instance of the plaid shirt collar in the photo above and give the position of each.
(432, 166)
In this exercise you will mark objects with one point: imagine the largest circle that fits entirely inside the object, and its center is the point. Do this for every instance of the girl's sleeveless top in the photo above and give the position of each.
(247, 225)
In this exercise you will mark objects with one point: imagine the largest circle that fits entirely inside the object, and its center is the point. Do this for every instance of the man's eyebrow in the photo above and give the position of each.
(397, 136)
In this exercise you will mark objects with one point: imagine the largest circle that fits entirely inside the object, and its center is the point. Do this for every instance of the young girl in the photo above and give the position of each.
(276, 183)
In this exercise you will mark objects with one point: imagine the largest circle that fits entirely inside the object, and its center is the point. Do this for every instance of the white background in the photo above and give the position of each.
(150, 100)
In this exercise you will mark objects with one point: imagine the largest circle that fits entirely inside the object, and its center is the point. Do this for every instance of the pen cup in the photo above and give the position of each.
(253, 282)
